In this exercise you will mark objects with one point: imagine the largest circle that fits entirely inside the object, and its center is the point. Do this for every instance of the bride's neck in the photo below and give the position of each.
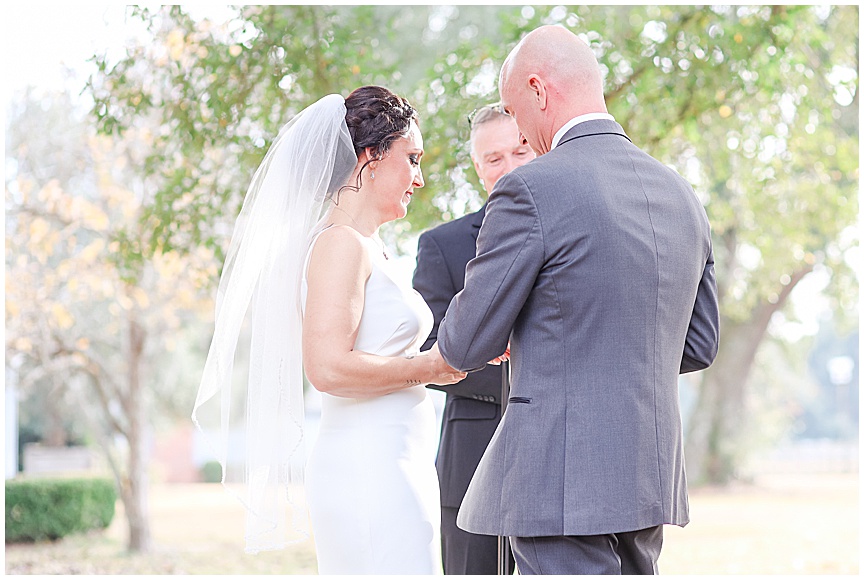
(353, 215)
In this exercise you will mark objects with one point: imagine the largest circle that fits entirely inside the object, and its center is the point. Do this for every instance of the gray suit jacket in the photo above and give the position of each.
(472, 410)
(596, 260)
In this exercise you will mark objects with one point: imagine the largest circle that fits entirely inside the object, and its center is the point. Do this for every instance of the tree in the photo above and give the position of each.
(218, 95)
(756, 105)
(780, 185)
(80, 320)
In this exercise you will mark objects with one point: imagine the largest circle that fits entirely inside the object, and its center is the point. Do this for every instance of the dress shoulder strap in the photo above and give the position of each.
(312, 245)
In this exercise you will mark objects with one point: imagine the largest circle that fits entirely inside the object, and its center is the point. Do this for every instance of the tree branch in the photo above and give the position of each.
(764, 311)
(99, 376)
(612, 95)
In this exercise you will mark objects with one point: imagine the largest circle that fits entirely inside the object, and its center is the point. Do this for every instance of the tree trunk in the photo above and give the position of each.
(135, 488)
(713, 442)
(712, 439)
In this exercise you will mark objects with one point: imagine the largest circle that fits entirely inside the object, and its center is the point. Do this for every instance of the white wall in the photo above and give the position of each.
(11, 423)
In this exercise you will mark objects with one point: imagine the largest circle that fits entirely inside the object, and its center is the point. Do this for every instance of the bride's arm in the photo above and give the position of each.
(338, 270)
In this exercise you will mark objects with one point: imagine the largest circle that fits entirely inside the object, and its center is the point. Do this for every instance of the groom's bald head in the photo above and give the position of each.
(550, 77)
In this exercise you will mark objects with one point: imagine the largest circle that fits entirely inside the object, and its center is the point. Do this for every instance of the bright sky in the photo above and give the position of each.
(41, 38)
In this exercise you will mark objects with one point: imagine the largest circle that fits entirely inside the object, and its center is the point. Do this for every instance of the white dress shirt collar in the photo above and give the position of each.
(575, 121)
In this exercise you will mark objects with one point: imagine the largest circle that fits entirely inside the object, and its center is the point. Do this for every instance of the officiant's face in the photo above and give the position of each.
(496, 150)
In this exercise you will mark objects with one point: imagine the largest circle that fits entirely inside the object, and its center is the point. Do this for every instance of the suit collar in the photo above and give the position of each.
(595, 127)
(575, 121)
(477, 221)
(477, 218)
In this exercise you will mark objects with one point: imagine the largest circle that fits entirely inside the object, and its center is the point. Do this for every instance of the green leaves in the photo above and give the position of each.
(742, 100)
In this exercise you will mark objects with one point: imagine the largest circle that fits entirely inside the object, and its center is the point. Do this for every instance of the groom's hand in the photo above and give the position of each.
(444, 374)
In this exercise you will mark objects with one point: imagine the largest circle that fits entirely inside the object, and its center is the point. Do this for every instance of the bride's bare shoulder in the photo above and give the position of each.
(341, 239)
(340, 244)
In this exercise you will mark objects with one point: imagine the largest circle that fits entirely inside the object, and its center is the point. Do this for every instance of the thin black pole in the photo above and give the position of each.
(503, 543)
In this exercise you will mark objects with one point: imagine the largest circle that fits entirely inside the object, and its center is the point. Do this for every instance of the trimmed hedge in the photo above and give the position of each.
(47, 509)
(211, 472)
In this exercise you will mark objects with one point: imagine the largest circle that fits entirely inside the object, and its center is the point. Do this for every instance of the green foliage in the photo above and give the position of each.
(211, 472)
(218, 97)
(48, 509)
(686, 82)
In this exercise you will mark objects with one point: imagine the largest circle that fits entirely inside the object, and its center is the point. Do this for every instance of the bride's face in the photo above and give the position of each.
(398, 174)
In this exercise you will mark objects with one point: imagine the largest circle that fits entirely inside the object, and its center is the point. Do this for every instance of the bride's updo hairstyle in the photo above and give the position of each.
(376, 117)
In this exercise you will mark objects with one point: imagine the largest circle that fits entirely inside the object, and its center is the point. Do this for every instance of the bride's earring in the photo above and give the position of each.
(373, 175)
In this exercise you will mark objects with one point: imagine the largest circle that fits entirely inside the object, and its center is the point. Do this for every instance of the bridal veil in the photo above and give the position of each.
(312, 157)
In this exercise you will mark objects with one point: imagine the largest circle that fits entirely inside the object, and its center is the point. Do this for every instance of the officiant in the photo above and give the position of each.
(472, 409)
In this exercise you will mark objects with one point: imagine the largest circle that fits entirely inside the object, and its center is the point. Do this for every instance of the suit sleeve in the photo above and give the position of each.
(703, 334)
(432, 280)
(498, 281)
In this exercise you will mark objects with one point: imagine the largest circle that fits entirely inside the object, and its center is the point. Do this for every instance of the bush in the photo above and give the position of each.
(47, 509)
(211, 472)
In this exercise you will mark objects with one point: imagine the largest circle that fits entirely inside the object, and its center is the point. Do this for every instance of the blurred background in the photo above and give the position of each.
(132, 134)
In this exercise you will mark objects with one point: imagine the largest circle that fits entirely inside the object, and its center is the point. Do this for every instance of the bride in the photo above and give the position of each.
(307, 257)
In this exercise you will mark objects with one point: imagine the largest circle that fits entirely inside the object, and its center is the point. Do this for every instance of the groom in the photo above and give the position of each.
(595, 260)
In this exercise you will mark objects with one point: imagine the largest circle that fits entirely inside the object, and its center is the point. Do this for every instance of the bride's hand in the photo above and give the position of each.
(503, 358)
(443, 374)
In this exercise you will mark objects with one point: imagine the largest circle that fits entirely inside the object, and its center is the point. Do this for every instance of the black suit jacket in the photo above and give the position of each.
(472, 409)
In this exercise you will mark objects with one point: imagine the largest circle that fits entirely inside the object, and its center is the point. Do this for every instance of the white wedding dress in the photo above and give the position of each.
(371, 485)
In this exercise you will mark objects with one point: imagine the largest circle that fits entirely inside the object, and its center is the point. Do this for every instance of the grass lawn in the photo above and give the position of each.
(783, 524)
(789, 524)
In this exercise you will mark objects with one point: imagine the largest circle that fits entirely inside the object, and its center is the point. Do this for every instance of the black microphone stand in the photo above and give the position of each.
(503, 542)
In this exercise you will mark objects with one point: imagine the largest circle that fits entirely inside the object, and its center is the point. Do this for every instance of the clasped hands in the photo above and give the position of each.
(503, 358)
(447, 375)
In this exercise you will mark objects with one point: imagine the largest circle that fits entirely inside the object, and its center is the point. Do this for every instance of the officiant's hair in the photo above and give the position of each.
(376, 117)
(483, 115)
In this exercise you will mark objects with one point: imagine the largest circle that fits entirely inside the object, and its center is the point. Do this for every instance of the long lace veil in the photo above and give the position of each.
(310, 159)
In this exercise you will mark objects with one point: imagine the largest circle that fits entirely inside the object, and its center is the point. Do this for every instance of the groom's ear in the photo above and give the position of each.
(538, 88)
